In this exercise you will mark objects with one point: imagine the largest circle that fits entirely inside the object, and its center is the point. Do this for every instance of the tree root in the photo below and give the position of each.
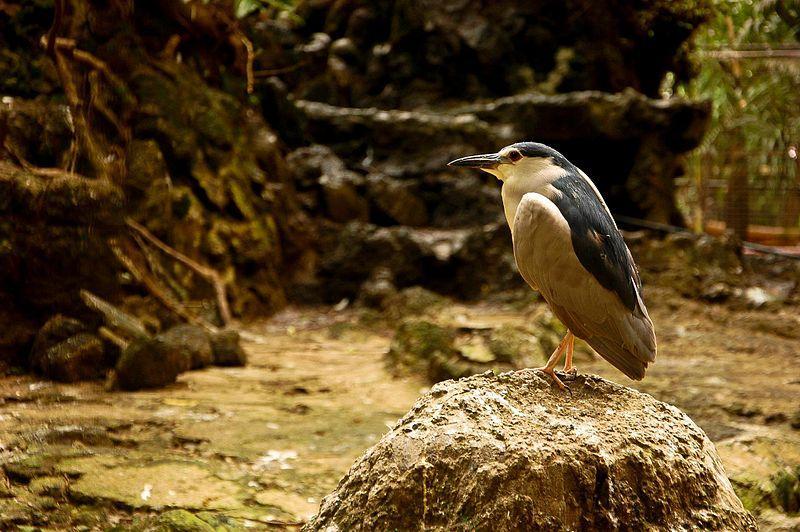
(154, 287)
(209, 273)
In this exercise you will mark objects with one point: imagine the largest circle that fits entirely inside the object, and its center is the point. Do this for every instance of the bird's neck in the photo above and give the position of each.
(528, 180)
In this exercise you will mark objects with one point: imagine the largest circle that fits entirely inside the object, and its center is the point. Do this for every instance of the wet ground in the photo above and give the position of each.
(258, 447)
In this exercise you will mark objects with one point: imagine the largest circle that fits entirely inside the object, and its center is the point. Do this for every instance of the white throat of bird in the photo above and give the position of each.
(530, 174)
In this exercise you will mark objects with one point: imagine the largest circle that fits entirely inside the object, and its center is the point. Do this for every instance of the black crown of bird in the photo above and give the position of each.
(568, 247)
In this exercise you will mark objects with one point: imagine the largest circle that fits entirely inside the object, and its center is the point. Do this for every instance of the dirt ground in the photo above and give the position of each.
(258, 447)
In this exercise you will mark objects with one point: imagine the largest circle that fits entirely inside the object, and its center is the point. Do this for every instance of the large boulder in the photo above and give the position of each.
(511, 452)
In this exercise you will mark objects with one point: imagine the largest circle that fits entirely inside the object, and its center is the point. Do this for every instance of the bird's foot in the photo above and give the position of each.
(554, 377)
(572, 371)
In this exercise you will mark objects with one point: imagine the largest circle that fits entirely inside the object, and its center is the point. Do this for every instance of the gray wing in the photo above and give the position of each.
(547, 261)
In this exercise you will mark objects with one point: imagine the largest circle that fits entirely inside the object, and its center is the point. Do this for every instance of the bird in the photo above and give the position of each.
(568, 247)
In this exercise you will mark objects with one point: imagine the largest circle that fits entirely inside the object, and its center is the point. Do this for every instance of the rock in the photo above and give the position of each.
(414, 301)
(489, 245)
(396, 201)
(317, 166)
(181, 521)
(63, 351)
(700, 267)
(55, 330)
(378, 289)
(786, 493)
(452, 351)
(416, 343)
(401, 142)
(794, 420)
(510, 452)
(192, 341)
(342, 201)
(349, 255)
(150, 364)
(64, 199)
(515, 345)
(651, 133)
(227, 349)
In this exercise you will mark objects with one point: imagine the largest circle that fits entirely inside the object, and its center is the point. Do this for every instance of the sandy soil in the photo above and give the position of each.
(257, 447)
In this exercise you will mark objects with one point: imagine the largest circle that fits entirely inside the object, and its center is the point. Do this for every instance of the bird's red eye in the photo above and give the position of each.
(514, 155)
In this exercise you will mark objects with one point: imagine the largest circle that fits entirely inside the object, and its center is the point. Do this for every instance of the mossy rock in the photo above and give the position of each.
(516, 346)
(80, 357)
(150, 364)
(227, 349)
(786, 492)
(413, 301)
(192, 341)
(416, 342)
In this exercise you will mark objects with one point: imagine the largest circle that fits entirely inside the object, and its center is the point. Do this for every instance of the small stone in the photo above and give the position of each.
(775, 417)
(476, 350)
(794, 421)
(193, 341)
(227, 349)
(742, 410)
(319, 44)
(54, 331)
(77, 358)
(150, 364)
(378, 289)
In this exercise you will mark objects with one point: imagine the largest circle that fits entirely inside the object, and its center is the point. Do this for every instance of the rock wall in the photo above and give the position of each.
(143, 133)
(400, 53)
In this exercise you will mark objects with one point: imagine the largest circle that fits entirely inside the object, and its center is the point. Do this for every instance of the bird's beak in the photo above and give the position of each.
(483, 161)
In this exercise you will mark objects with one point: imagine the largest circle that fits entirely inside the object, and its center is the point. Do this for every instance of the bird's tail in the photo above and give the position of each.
(631, 348)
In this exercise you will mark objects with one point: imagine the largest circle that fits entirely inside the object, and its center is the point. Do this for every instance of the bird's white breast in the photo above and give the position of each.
(529, 175)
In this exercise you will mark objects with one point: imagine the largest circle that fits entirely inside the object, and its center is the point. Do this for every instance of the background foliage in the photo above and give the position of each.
(748, 62)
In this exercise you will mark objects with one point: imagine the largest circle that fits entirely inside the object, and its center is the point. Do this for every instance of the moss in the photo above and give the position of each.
(414, 301)
(416, 342)
(786, 491)
(51, 486)
(29, 467)
(514, 345)
(181, 521)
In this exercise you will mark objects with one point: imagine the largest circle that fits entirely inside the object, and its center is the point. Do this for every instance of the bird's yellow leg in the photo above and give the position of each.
(568, 367)
(553, 362)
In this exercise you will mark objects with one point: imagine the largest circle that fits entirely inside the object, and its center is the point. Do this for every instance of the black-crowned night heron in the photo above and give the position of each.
(568, 248)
